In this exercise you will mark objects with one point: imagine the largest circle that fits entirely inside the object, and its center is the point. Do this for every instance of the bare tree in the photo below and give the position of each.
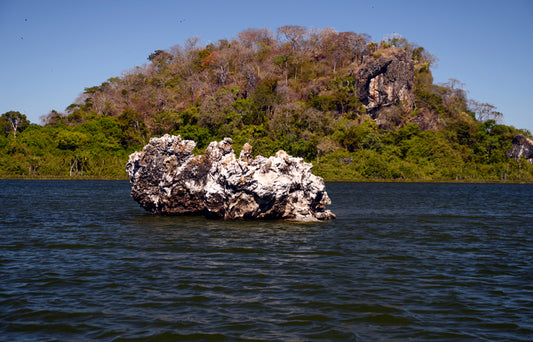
(485, 111)
(191, 44)
(294, 34)
(343, 46)
(257, 37)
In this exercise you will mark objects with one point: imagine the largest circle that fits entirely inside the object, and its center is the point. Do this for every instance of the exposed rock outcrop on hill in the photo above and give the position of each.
(385, 81)
(167, 179)
(522, 147)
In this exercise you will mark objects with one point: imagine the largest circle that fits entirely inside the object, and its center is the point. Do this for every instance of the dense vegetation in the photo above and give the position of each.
(292, 91)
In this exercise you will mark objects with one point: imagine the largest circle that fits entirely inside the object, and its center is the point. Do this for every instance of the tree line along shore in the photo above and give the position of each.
(357, 109)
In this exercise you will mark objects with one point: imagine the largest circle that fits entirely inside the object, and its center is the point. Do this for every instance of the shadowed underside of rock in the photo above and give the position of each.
(167, 179)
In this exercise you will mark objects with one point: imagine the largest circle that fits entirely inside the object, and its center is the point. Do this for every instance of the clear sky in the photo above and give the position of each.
(52, 50)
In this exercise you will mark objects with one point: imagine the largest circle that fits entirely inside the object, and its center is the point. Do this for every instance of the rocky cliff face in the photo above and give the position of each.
(385, 81)
(522, 147)
(167, 179)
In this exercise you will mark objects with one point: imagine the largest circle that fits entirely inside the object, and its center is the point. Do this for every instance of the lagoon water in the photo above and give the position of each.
(80, 261)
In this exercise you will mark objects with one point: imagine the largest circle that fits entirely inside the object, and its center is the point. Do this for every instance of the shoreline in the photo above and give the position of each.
(363, 180)
(43, 177)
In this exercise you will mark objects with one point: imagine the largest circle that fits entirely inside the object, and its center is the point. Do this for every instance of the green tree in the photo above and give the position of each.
(201, 135)
(70, 140)
(364, 136)
(134, 130)
(265, 97)
(13, 122)
(165, 122)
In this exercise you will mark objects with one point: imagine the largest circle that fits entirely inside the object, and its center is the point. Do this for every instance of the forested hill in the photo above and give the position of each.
(356, 108)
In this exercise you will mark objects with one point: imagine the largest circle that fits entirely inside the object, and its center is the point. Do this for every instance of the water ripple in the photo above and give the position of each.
(80, 261)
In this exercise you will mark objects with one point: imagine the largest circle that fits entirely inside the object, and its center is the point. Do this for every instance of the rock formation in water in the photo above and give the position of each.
(167, 179)
(522, 147)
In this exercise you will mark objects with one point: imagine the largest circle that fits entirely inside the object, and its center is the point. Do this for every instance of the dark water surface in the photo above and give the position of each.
(80, 261)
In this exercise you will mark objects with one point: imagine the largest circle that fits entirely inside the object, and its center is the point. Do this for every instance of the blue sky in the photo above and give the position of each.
(52, 50)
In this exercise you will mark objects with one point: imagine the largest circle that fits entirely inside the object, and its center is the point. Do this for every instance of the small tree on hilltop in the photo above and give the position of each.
(485, 111)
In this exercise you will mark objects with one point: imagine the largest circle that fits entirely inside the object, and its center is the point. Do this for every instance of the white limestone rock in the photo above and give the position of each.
(167, 179)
